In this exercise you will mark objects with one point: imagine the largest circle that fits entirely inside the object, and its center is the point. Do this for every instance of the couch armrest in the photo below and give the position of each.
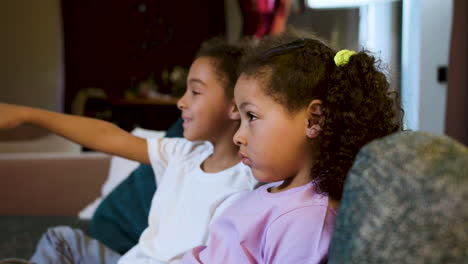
(50, 183)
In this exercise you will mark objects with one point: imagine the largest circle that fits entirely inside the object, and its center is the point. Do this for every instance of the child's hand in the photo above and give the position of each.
(11, 116)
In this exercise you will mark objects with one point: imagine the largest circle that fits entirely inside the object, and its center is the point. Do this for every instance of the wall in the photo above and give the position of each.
(31, 53)
(380, 33)
(425, 47)
(339, 27)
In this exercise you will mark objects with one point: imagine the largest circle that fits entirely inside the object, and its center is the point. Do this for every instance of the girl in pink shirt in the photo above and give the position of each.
(305, 112)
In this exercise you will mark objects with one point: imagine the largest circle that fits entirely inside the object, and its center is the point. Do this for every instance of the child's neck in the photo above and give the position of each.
(225, 155)
(290, 183)
(301, 178)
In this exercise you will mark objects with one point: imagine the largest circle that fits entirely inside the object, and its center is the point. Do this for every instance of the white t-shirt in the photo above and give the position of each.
(186, 200)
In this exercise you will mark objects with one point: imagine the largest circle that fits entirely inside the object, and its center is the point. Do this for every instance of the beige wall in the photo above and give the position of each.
(31, 53)
(425, 47)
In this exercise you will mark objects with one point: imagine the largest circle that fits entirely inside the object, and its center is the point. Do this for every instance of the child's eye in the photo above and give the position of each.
(195, 92)
(251, 116)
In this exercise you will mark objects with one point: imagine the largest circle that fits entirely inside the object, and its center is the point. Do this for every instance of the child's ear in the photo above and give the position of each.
(234, 112)
(315, 119)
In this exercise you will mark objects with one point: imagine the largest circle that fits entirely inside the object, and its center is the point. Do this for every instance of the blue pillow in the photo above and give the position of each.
(176, 130)
(123, 215)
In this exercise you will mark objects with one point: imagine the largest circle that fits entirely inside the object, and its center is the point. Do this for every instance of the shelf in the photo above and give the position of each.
(154, 114)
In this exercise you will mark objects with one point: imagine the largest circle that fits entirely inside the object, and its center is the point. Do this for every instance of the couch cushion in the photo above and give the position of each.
(20, 234)
(123, 214)
(32, 182)
(404, 201)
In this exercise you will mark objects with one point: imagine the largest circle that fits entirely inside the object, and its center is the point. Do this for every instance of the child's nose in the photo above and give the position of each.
(238, 139)
(181, 103)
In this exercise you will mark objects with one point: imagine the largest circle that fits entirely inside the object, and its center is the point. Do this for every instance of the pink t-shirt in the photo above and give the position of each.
(293, 226)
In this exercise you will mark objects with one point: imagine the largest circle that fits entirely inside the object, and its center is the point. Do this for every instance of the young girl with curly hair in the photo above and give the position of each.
(305, 113)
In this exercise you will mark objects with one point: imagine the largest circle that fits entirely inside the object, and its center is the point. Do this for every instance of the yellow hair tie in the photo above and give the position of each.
(342, 57)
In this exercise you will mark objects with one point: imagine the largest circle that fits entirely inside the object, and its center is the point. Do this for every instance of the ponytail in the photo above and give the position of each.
(358, 107)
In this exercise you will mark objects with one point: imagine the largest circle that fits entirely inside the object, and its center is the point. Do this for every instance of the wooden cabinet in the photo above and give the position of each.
(155, 114)
(114, 44)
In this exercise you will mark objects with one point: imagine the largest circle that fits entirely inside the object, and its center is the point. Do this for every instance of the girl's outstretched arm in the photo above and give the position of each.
(89, 132)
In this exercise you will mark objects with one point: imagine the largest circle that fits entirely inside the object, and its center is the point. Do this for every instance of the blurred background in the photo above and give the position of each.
(125, 60)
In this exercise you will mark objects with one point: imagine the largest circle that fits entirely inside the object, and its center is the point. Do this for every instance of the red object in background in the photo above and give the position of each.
(456, 115)
(264, 17)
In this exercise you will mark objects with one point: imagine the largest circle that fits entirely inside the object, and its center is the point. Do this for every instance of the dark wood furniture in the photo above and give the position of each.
(114, 44)
(154, 114)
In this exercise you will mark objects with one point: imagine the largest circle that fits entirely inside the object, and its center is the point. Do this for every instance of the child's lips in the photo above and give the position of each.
(186, 121)
(245, 159)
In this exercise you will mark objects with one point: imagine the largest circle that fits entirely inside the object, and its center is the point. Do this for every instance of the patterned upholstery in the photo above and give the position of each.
(405, 201)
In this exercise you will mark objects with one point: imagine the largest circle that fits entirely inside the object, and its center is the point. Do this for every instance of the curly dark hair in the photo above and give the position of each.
(226, 58)
(357, 104)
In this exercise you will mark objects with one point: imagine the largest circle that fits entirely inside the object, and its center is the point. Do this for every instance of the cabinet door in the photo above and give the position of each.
(111, 43)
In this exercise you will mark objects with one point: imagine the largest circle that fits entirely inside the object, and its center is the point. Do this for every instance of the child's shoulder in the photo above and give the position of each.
(189, 144)
(295, 200)
(278, 203)
(304, 206)
(178, 146)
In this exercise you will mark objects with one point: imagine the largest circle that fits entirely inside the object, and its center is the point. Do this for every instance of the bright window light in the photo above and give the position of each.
(341, 3)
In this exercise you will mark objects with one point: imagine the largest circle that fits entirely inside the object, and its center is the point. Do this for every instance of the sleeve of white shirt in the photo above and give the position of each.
(162, 150)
